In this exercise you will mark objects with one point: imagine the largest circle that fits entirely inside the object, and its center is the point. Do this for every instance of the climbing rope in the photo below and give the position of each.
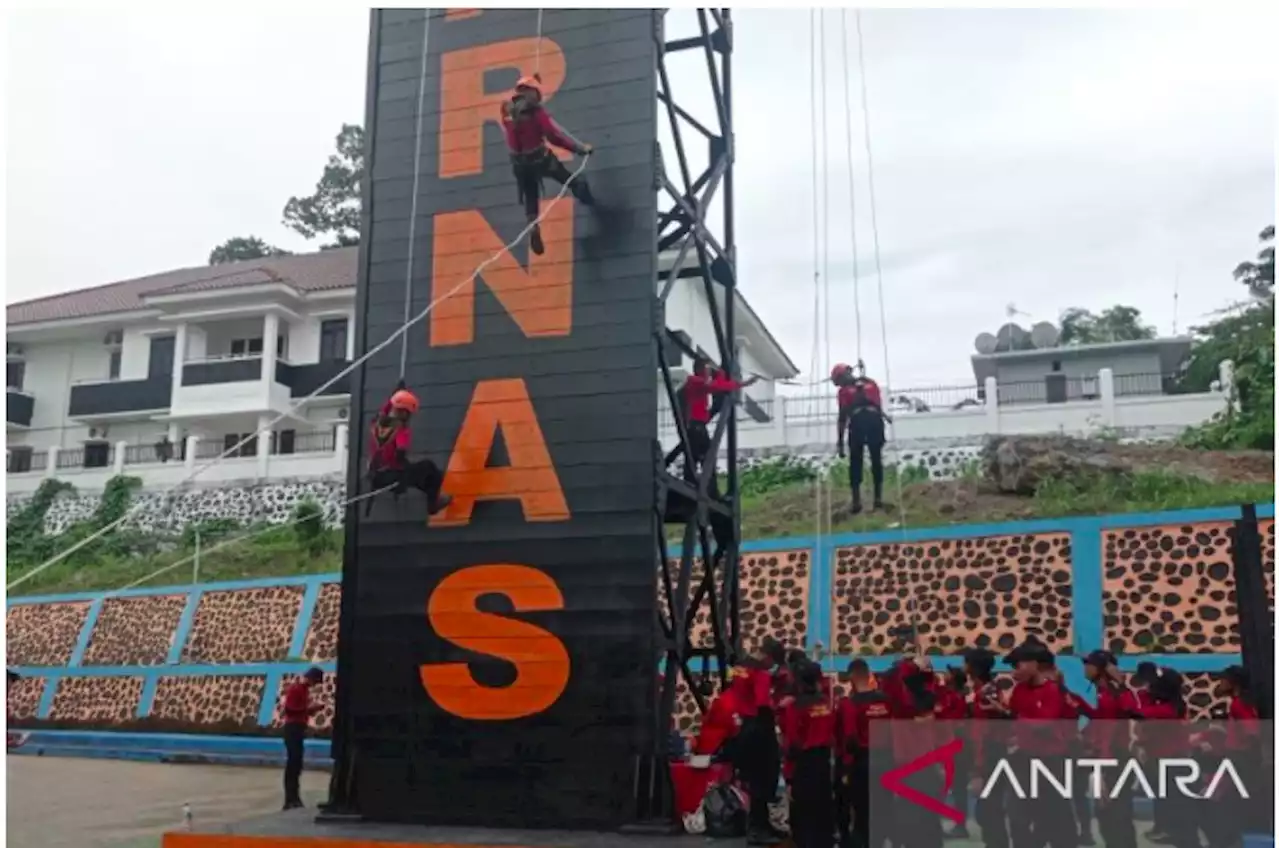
(385, 343)
(815, 403)
(413, 201)
(853, 201)
(537, 56)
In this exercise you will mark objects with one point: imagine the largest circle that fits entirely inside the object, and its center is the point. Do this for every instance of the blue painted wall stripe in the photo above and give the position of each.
(46, 697)
(819, 629)
(148, 699)
(185, 623)
(303, 622)
(242, 669)
(86, 633)
(1086, 587)
(267, 706)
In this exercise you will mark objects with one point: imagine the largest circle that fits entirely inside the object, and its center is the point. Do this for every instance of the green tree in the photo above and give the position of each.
(333, 209)
(241, 248)
(1244, 333)
(1116, 324)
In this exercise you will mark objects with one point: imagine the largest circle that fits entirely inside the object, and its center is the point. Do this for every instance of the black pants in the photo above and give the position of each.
(422, 475)
(532, 169)
(866, 432)
(812, 825)
(991, 814)
(960, 789)
(699, 446)
(1039, 822)
(758, 764)
(293, 736)
(912, 827)
(1115, 817)
(870, 804)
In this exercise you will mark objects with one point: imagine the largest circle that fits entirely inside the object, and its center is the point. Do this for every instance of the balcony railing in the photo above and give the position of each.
(117, 396)
(302, 380)
(18, 406)
(206, 372)
(23, 460)
(156, 453)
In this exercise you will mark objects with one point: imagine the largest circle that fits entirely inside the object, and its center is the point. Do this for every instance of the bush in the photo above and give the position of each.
(308, 527)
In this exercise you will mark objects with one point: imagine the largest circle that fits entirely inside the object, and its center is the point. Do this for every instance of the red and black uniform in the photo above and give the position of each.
(1244, 745)
(390, 441)
(297, 709)
(862, 753)
(697, 395)
(1041, 733)
(912, 697)
(985, 707)
(862, 415)
(757, 758)
(719, 726)
(529, 128)
(809, 735)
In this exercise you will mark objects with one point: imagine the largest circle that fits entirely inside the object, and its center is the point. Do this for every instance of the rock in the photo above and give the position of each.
(1019, 464)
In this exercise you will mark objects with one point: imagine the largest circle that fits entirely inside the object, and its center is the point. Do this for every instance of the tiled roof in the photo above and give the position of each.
(310, 272)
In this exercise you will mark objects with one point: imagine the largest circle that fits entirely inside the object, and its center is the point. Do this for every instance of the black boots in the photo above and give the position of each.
(535, 240)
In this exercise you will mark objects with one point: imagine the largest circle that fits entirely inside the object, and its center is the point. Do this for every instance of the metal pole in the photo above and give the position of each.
(195, 562)
(1257, 648)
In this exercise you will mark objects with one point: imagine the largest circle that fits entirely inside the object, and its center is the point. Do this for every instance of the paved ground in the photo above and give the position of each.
(63, 802)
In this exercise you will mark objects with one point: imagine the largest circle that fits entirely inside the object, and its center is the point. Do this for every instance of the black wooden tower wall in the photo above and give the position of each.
(496, 666)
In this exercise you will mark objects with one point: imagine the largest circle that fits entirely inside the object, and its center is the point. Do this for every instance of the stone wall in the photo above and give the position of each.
(215, 658)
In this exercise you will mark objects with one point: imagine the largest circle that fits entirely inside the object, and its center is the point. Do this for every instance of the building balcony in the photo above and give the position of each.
(118, 397)
(302, 380)
(18, 406)
(231, 369)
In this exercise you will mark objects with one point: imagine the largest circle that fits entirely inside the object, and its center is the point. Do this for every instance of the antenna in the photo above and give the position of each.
(1177, 274)
(1011, 310)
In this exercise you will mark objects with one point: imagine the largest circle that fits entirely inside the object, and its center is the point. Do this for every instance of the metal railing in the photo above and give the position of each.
(154, 453)
(316, 441)
(26, 461)
(1138, 385)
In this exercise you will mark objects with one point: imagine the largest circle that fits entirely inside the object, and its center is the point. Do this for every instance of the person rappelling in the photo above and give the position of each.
(389, 463)
(702, 397)
(529, 128)
(863, 416)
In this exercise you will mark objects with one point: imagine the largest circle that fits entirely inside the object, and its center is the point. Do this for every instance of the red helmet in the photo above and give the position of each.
(839, 370)
(533, 83)
(405, 400)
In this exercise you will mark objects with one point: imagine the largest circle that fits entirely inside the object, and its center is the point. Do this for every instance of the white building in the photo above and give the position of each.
(157, 375)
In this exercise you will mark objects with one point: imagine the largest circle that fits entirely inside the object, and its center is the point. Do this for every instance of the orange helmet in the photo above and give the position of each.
(839, 370)
(405, 400)
(534, 82)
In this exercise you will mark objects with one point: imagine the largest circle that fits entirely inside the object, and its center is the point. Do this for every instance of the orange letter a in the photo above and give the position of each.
(530, 478)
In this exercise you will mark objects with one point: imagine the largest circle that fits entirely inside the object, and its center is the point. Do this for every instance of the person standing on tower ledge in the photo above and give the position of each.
(528, 128)
(298, 710)
(697, 393)
(862, 415)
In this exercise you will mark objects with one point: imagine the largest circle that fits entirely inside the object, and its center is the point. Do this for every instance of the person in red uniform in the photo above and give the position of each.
(912, 698)
(703, 386)
(1244, 745)
(529, 128)
(298, 709)
(389, 461)
(1037, 705)
(862, 752)
(757, 756)
(862, 415)
(809, 736)
(1106, 737)
(1070, 729)
(719, 726)
(952, 709)
(985, 705)
(1162, 734)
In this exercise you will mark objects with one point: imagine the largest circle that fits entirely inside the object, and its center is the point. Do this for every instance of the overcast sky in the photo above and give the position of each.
(1050, 159)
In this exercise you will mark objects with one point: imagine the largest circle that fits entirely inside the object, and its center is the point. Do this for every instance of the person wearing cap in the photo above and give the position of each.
(862, 751)
(1069, 727)
(912, 697)
(298, 708)
(1037, 706)
(985, 706)
(1106, 736)
(1162, 734)
(389, 461)
(528, 128)
(862, 416)
(809, 735)
(1243, 744)
(758, 758)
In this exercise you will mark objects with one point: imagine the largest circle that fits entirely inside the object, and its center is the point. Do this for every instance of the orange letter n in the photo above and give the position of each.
(465, 106)
(530, 478)
(541, 661)
(540, 300)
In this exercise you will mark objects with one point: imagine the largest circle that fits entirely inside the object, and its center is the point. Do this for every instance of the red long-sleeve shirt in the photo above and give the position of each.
(699, 389)
(1105, 735)
(1039, 708)
(984, 706)
(1242, 725)
(808, 724)
(854, 715)
(719, 724)
(847, 396)
(752, 688)
(297, 703)
(534, 131)
(1161, 732)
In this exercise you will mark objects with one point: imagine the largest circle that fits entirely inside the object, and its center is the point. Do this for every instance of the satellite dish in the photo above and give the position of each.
(1044, 335)
(1012, 337)
(985, 343)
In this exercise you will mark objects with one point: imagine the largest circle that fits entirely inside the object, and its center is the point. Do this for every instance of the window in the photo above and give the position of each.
(20, 458)
(249, 448)
(247, 347)
(333, 340)
(283, 441)
(113, 365)
(14, 374)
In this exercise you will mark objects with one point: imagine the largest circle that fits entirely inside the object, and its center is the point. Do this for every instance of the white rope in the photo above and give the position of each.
(537, 56)
(853, 203)
(815, 404)
(413, 201)
(344, 372)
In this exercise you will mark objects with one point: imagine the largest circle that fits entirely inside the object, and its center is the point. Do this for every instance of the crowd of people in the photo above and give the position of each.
(779, 716)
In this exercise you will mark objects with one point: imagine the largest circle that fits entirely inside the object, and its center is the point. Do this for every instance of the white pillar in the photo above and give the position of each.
(340, 436)
(175, 433)
(179, 359)
(264, 438)
(189, 457)
(270, 331)
(1107, 393)
(51, 464)
(991, 402)
(351, 335)
(1227, 382)
(118, 466)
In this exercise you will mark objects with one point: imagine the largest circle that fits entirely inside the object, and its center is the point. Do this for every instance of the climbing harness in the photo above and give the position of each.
(413, 200)
(381, 346)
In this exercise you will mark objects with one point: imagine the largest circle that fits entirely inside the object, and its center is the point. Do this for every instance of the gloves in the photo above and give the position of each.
(585, 150)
